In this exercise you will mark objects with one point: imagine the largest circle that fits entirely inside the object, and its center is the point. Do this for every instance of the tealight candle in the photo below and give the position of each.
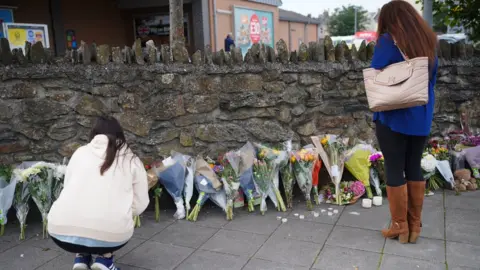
(367, 203)
(377, 200)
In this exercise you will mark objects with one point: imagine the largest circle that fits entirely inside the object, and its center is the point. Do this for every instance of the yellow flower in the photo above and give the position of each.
(292, 159)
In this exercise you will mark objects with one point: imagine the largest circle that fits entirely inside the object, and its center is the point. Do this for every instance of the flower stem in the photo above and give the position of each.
(2, 230)
(157, 208)
(369, 192)
(281, 204)
(251, 206)
(44, 232)
(309, 205)
(194, 214)
(315, 196)
(22, 232)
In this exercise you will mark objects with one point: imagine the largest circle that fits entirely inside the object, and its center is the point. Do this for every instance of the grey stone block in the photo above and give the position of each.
(185, 234)
(204, 259)
(26, 257)
(356, 238)
(212, 218)
(304, 231)
(235, 243)
(255, 223)
(464, 233)
(463, 254)
(12, 231)
(150, 227)
(259, 264)
(333, 258)
(309, 215)
(433, 223)
(155, 255)
(391, 262)
(425, 249)
(375, 218)
(462, 202)
(289, 251)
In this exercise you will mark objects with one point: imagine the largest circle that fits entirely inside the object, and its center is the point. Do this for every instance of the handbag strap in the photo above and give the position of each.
(401, 52)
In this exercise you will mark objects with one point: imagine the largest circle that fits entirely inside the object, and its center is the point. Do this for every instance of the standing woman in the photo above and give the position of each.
(402, 134)
(105, 186)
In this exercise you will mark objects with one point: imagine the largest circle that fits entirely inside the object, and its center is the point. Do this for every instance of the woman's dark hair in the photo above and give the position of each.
(410, 31)
(110, 127)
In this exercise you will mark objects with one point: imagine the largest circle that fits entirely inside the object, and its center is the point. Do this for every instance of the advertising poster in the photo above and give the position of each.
(252, 26)
(6, 16)
(18, 33)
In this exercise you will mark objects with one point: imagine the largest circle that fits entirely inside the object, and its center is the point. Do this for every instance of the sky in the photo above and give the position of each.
(316, 7)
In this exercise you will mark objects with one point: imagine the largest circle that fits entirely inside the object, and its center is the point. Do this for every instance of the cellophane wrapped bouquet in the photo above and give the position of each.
(22, 193)
(273, 158)
(189, 181)
(442, 156)
(7, 193)
(349, 193)
(58, 178)
(171, 174)
(40, 178)
(230, 179)
(245, 172)
(429, 165)
(261, 174)
(331, 149)
(303, 162)
(315, 179)
(287, 175)
(208, 186)
(376, 163)
(357, 163)
(472, 157)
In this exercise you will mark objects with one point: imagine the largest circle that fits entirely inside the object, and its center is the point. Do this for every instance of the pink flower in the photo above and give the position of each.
(358, 188)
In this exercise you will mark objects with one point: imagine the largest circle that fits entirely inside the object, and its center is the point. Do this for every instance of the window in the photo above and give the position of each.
(157, 28)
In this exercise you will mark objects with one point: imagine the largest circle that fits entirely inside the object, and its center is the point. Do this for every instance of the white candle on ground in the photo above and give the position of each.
(367, 203)
(377, 200)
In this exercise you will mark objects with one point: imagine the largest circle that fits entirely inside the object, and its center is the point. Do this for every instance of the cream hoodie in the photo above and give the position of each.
(100, 207)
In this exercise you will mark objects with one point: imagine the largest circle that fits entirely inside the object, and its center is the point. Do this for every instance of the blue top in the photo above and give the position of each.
(415, 121)
(228, 41)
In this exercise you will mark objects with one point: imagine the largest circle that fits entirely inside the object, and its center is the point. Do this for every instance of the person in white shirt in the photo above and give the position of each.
(105, 187)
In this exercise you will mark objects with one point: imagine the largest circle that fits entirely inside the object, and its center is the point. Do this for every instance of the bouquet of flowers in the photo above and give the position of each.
(377, 171)
(58, 177)
(208, 187)
(245, 172)
(274, 159)
(315, 177)
(153, 184)
(261, 174)
(22, 193)
(357, 162)
(472, 155)
(189, 181)
(350, 192)
(303, 162)
(286, 173)
(429, 164)
(230, 179)
(442, 156)
(40, 177)
(7, 192)
(331, 150)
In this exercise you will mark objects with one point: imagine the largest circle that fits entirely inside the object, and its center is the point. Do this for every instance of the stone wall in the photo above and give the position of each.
(47, 110)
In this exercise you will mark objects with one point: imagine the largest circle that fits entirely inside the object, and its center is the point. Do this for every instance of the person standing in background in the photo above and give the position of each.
(229, 42)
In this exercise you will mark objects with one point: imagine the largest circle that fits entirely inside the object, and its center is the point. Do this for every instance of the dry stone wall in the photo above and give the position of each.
(215, 102)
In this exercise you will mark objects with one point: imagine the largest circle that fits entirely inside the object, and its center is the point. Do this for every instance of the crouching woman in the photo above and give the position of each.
(105, 186)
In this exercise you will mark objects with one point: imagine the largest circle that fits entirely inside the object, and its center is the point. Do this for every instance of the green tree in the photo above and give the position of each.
(453, 13)
(342, 21)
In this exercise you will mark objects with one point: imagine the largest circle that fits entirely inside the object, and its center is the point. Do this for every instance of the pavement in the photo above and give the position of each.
(350, 239)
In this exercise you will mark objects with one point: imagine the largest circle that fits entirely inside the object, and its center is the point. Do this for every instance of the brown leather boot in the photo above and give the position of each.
(416, 194)
(398, 201)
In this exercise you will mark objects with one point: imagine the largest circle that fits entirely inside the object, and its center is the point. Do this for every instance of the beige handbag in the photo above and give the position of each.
(398, 86)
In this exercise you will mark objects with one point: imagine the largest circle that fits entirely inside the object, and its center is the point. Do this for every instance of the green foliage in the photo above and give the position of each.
(6, 172)
(458, 13)
(342, 22)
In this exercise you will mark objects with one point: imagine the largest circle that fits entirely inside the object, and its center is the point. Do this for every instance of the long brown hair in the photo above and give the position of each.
(110, 127)
(409, 30)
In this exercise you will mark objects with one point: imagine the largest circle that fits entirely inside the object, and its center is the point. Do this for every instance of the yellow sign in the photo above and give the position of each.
(17, 37)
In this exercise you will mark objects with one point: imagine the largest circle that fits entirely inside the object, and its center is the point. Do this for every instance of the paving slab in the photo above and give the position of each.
(150, 227)
(461, 254)
(322, 211)
(289, 251)
(425, 249)
(375, 218)
(212, 218)
(433, 222)
(334, 258)
(392, 262)
(256, 223)
(356, 238)
(26, 257)
(462, 226)
(259, 264)
(155, 255)
(204, 259)
(185, 234)
(463, 202)
(10, 238)
(304, 231)
(235, 243)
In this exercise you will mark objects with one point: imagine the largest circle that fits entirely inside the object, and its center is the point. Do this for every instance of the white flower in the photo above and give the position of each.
(429, 163)
(59, 171)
